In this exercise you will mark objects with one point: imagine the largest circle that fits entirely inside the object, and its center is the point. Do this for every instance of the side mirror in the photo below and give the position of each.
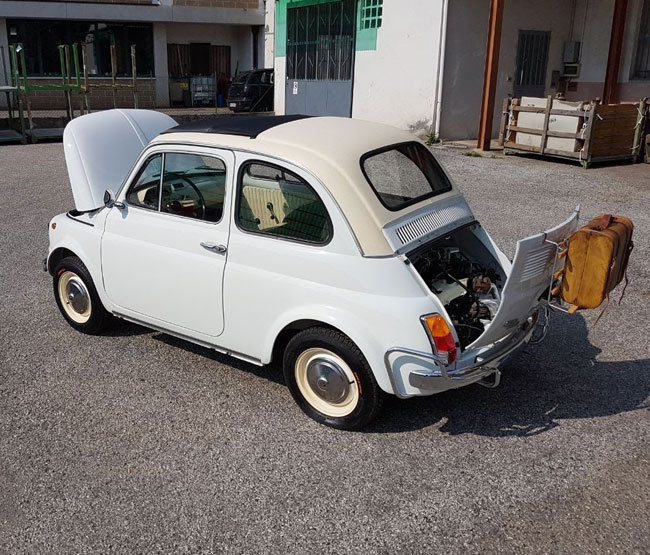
(109, 201)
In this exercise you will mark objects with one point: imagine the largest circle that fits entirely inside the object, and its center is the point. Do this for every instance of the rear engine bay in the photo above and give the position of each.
(464, 273)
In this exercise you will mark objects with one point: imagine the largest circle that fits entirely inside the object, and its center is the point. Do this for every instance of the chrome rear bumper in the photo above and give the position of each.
(470, 368)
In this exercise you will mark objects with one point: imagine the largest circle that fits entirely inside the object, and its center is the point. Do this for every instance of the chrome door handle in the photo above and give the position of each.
(214, 248)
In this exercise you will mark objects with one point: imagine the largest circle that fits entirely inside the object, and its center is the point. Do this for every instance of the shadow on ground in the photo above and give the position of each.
(543, 385)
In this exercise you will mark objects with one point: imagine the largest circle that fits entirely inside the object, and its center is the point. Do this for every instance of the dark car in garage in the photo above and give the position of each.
(252, 91)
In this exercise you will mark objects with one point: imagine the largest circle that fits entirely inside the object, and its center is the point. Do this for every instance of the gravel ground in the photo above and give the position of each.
(138, 442)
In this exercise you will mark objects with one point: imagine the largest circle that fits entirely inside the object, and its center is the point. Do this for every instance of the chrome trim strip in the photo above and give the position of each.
(184, 337)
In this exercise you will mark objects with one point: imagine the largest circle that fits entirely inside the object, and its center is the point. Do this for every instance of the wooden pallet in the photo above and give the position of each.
(610, 132)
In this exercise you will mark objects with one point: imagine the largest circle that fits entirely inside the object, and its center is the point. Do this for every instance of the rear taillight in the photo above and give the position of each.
(442, 339)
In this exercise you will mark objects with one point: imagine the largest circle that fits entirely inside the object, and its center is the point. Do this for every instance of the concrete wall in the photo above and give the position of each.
(279, 84)
(396, 83)
(464, 62)
(465, 57)
(160, 64)
(245, 4)
(592, 26)
(269, 34)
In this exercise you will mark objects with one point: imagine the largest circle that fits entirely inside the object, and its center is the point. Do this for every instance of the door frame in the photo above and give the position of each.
(223, 226)
(353, 52)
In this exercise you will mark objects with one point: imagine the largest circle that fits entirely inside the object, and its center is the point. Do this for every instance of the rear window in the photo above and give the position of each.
(404, 174)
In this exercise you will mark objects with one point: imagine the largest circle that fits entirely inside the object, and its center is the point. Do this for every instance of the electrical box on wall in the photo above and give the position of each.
(571, 52)
(571, 70)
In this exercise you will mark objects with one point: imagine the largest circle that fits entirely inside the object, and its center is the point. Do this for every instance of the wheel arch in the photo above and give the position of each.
(291, 330)
(57, 255)
(343, 322)
(83, 248)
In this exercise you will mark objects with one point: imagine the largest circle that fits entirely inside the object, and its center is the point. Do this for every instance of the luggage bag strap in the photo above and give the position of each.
(604, 221)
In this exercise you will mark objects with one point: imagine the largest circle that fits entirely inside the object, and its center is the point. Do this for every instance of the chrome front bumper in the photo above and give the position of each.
(470, 368)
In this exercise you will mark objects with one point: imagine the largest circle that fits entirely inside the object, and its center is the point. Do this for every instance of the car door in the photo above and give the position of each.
(164, 251)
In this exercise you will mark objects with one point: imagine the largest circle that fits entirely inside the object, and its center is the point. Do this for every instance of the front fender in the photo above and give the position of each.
(85, 242)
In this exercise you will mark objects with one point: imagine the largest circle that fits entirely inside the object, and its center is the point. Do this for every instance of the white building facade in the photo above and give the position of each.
(419, 64)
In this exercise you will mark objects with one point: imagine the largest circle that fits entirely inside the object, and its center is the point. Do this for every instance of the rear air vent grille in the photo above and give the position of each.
(536, 262)
(432, 221)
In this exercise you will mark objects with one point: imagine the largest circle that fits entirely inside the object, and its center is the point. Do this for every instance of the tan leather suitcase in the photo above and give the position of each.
(596, 260)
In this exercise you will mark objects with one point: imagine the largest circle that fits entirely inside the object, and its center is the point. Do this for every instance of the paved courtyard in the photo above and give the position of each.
(136, 442)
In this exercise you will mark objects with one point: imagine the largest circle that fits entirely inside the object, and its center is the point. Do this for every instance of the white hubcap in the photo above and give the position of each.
(74, 297)
(327, 382)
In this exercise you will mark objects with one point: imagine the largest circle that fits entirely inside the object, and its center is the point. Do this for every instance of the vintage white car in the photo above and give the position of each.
(338, 248)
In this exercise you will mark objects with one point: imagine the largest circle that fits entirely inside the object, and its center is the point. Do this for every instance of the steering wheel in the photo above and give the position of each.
(201, 199)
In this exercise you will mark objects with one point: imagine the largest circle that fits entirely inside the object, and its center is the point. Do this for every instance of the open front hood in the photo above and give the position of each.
(101, 148)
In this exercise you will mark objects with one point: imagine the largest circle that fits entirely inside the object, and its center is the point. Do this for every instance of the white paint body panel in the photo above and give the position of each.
(154, 266)
(101, 148)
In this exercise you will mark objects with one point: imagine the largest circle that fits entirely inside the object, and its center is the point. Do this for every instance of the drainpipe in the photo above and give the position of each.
(441, 68)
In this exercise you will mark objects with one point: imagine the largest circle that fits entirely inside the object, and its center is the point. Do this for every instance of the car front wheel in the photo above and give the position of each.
(77, 297)
(331, 380)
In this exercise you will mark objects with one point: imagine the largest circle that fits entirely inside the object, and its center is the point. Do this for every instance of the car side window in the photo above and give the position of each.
(194, 186)
(144, 191)
(276, 202)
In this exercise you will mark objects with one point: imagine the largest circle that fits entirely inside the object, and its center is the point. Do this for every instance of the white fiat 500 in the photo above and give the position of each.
(338, 248)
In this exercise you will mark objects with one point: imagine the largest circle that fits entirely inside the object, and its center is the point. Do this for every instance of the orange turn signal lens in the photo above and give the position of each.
(441, 337)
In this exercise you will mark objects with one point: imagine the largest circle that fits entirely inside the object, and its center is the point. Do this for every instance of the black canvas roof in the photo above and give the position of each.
(248, 126)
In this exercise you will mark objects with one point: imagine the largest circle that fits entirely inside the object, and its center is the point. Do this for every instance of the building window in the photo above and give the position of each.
(320, 41)
(41, 39)
(641, 68)
(371, 13)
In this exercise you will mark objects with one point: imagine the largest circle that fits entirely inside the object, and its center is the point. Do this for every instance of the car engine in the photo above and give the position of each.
(468, 286)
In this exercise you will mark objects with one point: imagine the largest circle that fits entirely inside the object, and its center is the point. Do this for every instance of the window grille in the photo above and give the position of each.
(641, 68)
(371, 14)
(320, 41)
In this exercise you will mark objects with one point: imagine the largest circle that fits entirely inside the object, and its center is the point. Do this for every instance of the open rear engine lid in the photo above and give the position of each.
(530, 276)
(101, 148)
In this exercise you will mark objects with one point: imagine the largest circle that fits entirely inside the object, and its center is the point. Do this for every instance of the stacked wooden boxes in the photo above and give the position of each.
(580, 131)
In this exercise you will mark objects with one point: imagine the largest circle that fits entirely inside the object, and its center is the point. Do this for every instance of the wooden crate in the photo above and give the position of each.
(610, 132)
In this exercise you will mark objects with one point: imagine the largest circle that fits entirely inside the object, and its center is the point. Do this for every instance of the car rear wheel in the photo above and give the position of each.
(77, 297)
(331, 380)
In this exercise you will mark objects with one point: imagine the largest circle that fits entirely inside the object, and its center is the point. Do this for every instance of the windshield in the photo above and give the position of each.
(404, 174)
(241, 78)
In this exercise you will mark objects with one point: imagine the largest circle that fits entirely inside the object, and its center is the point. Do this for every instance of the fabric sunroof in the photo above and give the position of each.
(247, 126)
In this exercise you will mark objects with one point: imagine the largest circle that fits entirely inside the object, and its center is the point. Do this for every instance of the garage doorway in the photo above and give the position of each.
(320, 59)
(532, 62)
(188, 64)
